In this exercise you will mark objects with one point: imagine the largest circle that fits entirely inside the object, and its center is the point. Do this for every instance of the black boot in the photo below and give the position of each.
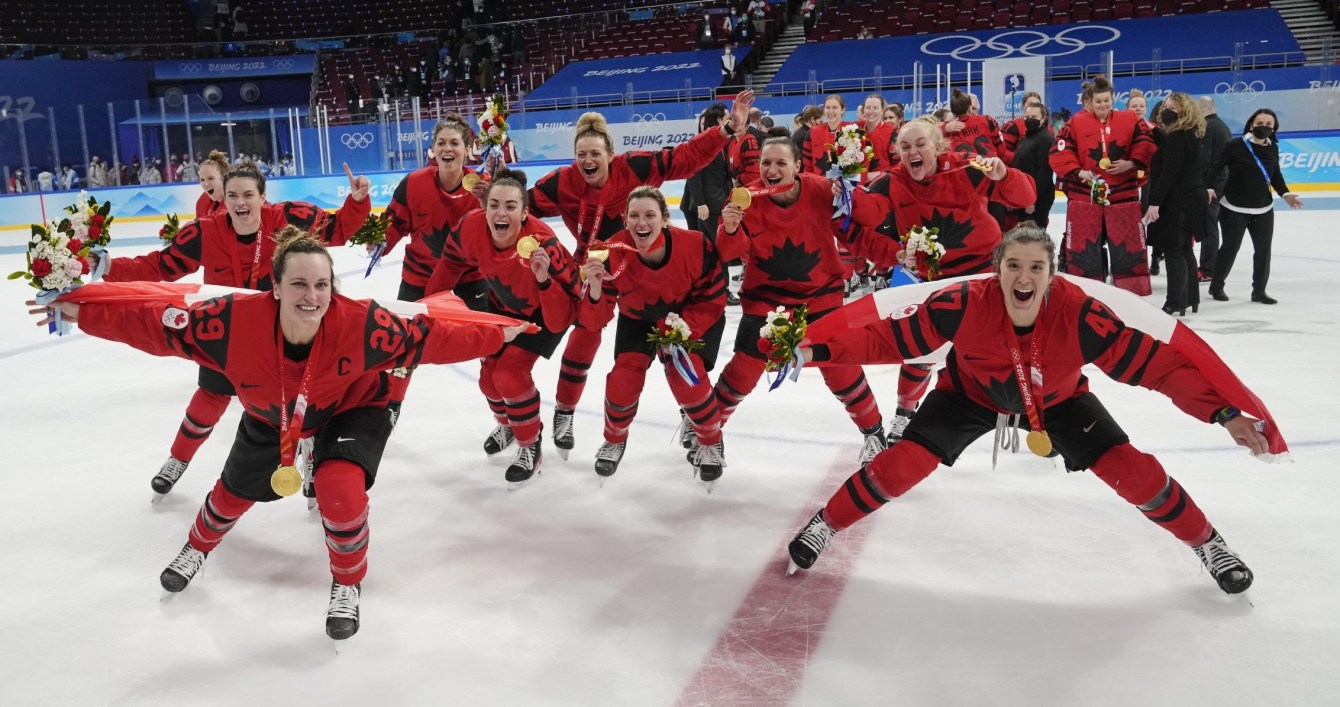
(1264, 298)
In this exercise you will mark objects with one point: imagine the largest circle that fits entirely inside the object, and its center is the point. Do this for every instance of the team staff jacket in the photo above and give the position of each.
(1079, 147)
(952, 200)
(425, 212)
(205, 206)
(238, 335)
(793, 258)
(563, 192)
(512, 287)
(688, 282)
(980, 136)
(228, 259)
(1076, 329)
(1012, 133)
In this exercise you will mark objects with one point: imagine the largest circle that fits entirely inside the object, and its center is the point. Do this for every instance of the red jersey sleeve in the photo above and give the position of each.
(542, 199)
(162, 330)
(179, 258)
(732, 246)
(595, 315)
(338, 228)
(1064, 156)
(400, 223)
(392, 341)
(871, 203)
(679, 162)
(707, 296)
(934, 324)
(558, 294)
(1017, 190)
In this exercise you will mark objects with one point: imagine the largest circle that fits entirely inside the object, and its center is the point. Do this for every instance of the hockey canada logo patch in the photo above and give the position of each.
(174, 318)
(904, 312)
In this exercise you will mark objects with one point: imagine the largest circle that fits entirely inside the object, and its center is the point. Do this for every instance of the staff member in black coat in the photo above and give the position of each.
(706, 192)
(1031, 158)
(1217, 134)
(1248, 168)
(1177, 199)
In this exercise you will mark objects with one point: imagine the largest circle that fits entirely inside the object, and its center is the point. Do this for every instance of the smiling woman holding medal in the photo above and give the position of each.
(1019, 341)
(308, 364)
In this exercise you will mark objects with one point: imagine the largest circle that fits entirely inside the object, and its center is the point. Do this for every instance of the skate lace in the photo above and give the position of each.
(172, 469)
(874, 444)
(817, 534)
(1218, 558)
(562, 425)
(685, 430)
(711, 455)
(187, 562)
(502, 435)
(898, 424)
(525, 457)
(610, 451)
(343, 601)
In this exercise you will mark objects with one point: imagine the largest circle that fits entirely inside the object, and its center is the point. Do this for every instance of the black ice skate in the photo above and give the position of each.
(525, 465)
(608, 458)
(809, 542)
(874, 444)
(709, 462)
(685, 430)
(167, 477)
(181, 570)
(899, 424)
(342, 614)
(1224, 565)
(563, 432)
(499, 439)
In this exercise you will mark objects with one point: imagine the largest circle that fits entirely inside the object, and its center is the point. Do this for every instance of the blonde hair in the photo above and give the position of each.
(593, 125)
(1135, 93)
(1188, 115)
(932, 127)
(219, 160)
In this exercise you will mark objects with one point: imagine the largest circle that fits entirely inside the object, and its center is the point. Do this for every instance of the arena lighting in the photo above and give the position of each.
(227, 124)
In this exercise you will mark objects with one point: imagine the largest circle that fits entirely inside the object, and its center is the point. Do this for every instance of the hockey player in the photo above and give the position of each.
(233, 248)
(653, 270)
(530, 276)
(591, 195)
(1113, 146)
(307, 362)
(211, 183)
(1019, 341)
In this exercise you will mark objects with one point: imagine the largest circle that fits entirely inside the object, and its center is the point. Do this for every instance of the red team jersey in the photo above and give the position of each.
(821, 136)
(211, 243)
(512, 287)
(1079, 146)
(205, 206)
(953, 200)
(238, 335)
(881, 140)
(1077, 330)
(793, 258)
(689, 283)
(563, 192)
(744, 149)
(980, 136)
(423, 211)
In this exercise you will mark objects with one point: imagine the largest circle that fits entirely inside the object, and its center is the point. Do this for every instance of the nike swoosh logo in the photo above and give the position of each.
(481, 294)
(345, 439)
(249, 385)
(973, 358)
(222, 269)
(1090, 426)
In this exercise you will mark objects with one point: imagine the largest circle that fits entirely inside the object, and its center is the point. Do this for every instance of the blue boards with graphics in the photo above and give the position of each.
(245, 67)
(1178, 37)
(609, 78)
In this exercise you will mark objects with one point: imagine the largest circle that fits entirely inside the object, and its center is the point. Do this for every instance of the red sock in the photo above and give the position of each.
(342, 496)
(217, 516)
(202, 413)
(889, 475)
(1141, 480)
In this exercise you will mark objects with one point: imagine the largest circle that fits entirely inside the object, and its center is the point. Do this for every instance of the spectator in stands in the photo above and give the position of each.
(133, 176)
(467, 77)
(18, 183)
(261, 165)
(448, 73)
(46, 181)
(730, 75)
(706, 40)
(222, 15)
(1031, 156)
(150, 174)
(286, 167)
(353, 100)
(97, 173)
(487, 74)
(68, 179)
(413, 84)
(730, 24)
(1216, 137)
(810, 12)
(865, 34)
(240, 22)
(425, 75)
(189, 170)
(757, 11)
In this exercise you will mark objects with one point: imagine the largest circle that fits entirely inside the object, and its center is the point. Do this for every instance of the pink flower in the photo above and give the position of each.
(73, 268)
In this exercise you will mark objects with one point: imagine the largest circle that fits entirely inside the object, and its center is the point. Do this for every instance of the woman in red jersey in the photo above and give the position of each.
(825, 134)
(211, 184)
(536, 282)
(591, 195)
(655, 270)
(308, 363)
(232, 248)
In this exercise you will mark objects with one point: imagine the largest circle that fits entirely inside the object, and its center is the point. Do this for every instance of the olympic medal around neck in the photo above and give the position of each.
(286, 480)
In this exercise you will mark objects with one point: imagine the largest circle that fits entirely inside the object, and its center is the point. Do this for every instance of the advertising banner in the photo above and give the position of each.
(247, 67)
(1005, 81)
(647, 73)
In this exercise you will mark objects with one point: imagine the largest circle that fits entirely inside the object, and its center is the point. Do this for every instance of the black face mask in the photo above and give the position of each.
(1261, 132)
(1168, 117)
(1032, 124)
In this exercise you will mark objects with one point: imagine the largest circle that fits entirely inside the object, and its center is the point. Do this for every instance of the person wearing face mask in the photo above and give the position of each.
(232, 247)
(591, 195)
(1177, 199)
(1217, 134)
(1245, 172)
(1019, 341)
(97, 173)
(1031, 156)
(1013, 131)
(210, 173)
(537, 285)
(308, 364)
(1113, 146)
(793, 258)
(653, 270)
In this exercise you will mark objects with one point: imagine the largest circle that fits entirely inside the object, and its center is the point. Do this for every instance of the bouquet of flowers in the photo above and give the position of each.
(89, 221)
(675, 340)
(492, 130)
(1098, 191)
(169, 229)
(372, 233)
(779, 337)
(57, 260)
(849, 155)
(922, 252)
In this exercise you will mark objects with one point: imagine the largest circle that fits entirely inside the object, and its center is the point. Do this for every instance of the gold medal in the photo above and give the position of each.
(1104, 163)
(287, 480)
(599, 252)
(741, 197)
(470, 181)
(1039, 443)
(1140, 174)
(526, 245)
(977, 164)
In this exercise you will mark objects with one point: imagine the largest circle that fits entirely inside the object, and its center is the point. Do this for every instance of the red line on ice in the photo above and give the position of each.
(761, 656)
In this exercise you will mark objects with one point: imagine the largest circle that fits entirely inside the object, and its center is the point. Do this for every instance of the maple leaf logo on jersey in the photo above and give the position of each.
(953, 233)
(1005, 394)
(1114, 151)
(1125, 260)
(789, 261)
(653, 311)
(506, 298)
(1087, 262)
(314, 417)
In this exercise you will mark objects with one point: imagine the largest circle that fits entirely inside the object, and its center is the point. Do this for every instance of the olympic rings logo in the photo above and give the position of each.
(1036, 43)
(648, 117)
(356, 141)
(1241, 88)
(189, 67)
(283, 63)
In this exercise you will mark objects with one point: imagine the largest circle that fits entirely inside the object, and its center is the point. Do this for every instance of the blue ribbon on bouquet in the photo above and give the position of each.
(902, 276)
(376, 258)
(57, 326)
(842, 202)
(103, 263)
(788, 371)
(679, 358)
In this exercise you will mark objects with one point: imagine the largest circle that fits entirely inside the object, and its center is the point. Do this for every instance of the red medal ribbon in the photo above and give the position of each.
(1025, 381)
(289, 434)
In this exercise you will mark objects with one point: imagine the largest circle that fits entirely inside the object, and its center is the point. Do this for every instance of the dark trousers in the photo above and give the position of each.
(1209, 244)
(1179, 261)
(1235, 225)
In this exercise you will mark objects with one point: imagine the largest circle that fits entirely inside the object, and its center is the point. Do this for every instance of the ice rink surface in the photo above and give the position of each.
(1022, 585)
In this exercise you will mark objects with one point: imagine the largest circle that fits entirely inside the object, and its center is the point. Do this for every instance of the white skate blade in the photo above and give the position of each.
(167, 596)
(514, 485)
(1242, 599)
(158, 498)
(563, 452)
(709, 485)
(311, 504)
(791, 567)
